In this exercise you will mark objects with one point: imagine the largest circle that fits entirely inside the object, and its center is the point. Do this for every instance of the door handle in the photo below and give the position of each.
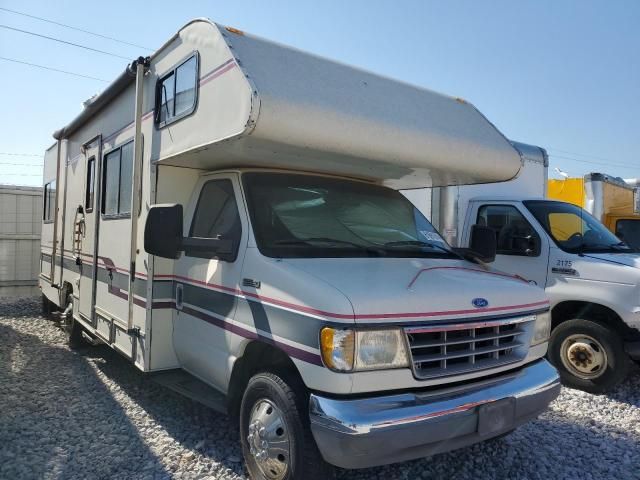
(179, 295)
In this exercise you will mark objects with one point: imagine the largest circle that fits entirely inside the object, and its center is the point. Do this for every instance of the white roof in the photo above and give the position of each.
(316, 114)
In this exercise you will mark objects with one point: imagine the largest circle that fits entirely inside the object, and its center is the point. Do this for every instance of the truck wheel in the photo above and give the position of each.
(588, 356)
(277, 443)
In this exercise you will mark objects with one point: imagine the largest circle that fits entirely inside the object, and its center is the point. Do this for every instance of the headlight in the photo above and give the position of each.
(542, 328)
(353, 350)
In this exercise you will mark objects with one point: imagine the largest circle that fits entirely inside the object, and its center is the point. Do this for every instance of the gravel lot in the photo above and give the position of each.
(90, 414)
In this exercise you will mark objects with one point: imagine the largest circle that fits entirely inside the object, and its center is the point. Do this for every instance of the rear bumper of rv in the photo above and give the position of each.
(366, 432)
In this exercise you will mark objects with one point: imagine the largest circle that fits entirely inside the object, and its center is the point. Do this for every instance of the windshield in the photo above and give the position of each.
(299, 216)
(573, 229)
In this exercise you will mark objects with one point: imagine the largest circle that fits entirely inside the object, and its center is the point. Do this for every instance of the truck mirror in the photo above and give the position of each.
(483, 243)
(163, 231)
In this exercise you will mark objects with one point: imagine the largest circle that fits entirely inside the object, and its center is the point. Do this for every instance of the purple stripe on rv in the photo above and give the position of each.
(292, 351)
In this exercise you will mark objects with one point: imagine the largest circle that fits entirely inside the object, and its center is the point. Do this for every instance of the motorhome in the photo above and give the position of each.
(226, 215)
(612, 200)
(591, 278)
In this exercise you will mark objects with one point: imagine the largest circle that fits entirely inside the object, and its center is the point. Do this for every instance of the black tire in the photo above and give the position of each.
(73, 329)
(305, 461)
(617, 360)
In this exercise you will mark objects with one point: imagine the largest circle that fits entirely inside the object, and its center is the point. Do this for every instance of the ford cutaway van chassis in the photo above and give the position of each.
(226, 215)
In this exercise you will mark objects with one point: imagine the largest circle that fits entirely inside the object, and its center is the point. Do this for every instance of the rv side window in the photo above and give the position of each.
(176, 92)
(89, 189)
(117, 181)
(48, 210)
(216, 214)
(513, 231)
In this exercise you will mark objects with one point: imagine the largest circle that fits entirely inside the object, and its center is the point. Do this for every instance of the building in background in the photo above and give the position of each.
(20, 224)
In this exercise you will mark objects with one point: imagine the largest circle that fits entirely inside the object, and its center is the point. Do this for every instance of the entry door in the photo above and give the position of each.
(205, 285)
(84, 234)
(522, 250)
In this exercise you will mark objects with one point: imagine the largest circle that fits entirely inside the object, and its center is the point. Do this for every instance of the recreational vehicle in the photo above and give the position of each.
(226, 215)
(612, 200)
(591, 278)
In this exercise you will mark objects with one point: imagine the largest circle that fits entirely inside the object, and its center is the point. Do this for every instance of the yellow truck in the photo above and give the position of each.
(611, 200)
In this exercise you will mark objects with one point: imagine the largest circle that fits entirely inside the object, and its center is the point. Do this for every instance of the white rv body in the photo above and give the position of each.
(599, 285)
(258, 110)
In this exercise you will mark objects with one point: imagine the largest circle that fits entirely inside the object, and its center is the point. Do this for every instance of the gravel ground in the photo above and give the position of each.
(90, 414)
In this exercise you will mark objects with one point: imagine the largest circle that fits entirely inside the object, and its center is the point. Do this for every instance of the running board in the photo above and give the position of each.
(186, 384)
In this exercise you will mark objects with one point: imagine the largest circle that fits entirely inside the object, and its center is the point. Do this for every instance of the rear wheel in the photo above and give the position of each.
(588, 355)
(72, 328)
(277, 443)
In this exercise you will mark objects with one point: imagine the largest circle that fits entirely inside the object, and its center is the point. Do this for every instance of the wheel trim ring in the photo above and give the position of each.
(575, 344)
(275, 432)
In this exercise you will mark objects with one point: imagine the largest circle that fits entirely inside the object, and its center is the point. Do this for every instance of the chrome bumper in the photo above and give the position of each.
(365, 432)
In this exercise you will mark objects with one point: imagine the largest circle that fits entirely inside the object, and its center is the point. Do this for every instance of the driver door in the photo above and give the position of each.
(205, 284)
(521, 249)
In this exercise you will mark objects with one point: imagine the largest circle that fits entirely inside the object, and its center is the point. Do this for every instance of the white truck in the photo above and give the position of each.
(226, 215)
(591, 277)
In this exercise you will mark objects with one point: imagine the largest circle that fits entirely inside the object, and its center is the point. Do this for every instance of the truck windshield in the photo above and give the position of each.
(573, 229)
(303, 216)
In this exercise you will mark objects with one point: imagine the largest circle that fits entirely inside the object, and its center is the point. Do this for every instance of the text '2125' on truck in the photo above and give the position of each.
(226, 215)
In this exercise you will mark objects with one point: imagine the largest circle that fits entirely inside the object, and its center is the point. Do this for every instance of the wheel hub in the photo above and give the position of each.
(268, 440)
(584, 356)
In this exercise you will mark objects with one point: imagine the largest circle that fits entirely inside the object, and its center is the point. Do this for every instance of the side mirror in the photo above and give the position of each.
(163, 231)
(163, 237)
(483, 244)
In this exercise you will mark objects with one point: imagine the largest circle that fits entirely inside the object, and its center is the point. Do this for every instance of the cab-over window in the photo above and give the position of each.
(176, 92)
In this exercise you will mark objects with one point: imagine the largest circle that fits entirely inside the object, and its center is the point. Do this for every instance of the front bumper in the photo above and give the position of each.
(366, 432)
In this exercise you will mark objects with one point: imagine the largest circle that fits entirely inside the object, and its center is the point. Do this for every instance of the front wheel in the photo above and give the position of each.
(588, 355)
(277, 443)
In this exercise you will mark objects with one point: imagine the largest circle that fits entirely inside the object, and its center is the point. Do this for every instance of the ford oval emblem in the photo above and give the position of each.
(480, 302)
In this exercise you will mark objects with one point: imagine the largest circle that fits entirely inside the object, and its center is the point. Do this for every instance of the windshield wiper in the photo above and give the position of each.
(306, 241)
(420, 244)
(620, 246)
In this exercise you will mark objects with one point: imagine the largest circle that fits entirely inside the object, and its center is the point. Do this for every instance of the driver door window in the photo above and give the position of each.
(216, 214)
(514, 234)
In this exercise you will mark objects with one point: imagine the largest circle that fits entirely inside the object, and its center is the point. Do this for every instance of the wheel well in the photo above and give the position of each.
(591, 311)
(259, 356)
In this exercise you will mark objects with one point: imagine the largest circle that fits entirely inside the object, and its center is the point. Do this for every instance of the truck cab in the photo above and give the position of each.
(591, 277)
(347, 293)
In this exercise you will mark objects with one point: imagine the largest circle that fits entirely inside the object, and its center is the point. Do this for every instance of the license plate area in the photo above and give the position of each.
(496, 417)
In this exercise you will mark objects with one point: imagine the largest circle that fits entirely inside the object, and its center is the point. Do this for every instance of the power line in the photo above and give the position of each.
(22, 164)
(20, 174)
(63, 41)
(579, 154)
(619, 165)
(75, 28)
(20, 154)
(53, 70)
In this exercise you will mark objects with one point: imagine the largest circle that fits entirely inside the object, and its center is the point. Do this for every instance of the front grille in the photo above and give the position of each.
(443, 350)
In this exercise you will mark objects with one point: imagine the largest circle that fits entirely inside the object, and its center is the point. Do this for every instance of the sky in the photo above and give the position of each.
(564, 75)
